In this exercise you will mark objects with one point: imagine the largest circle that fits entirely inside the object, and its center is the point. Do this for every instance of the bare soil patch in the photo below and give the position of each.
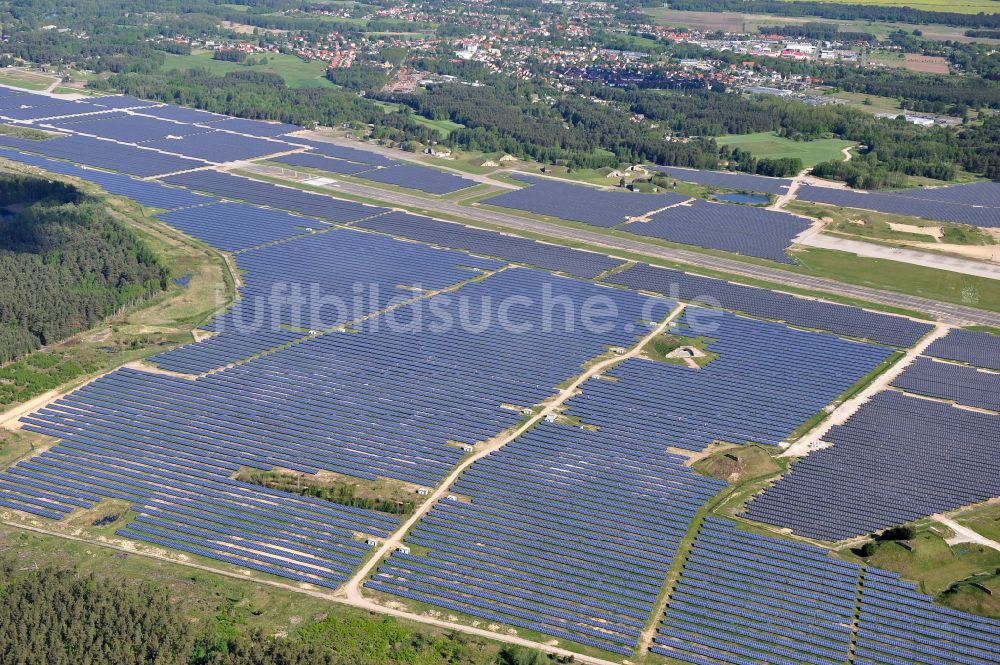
(726, 21)
(927, 64)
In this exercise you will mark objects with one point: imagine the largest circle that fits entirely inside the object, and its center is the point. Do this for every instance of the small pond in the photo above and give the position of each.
(748, 199)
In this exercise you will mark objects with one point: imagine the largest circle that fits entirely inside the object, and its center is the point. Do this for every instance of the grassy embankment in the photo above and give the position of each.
(297, 72)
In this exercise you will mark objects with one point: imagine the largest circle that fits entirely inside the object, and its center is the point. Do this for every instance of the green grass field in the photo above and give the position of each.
(915, 280)
(857, 100)
(877, 225)
(442, 127)
(296, 72)
(963, 576)
(933, 562)
(27, 80)
(984, 520)
(766, 144)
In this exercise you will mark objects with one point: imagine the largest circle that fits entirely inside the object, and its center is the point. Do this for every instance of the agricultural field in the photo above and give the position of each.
(928, 64)
(766, 144)
(735, 22)
(959, 6)
(330, 456)
(726, 21)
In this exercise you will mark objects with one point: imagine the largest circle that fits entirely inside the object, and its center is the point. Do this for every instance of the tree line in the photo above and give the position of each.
(56, 616)
(346, 494)
(65, 263)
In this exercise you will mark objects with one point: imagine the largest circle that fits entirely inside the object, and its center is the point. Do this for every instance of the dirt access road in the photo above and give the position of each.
(352, 588)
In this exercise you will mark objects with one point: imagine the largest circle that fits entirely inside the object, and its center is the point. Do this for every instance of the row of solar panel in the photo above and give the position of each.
(491, 243)
(429, 387)
(146, 139)
(727, 179)
(340, 211)
(290, 287)
(563, 509)
(148, 193)
(898, 458)
(183, 499)
(981, 349)
(733, 228)
(592, 206)
(840, 319)
(530, 538)
(723, 400)
(745, 598)
(959, 383)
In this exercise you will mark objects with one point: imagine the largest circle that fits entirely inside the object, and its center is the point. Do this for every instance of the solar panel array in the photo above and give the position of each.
(744, 598)
(491, 243)
(261, 128)
(24, 106)
(422, 178)
(767, 381)
(976, 348)
(347, 153)
(980, 194)
(959, 383)
(151, 441)
(898, 625)
(412, 176)
(275, 196)
(67, 122)
(569, 530)
(104, 154)
(386, 401)
(727, 179)
(220, 147)
(181, 114)
(328, 164)
(119, 102)
(954, 207)
(290, 288)
(238, 226)
(564, 531)
(581, 204)
(840, 319)
(146, 192)
(740, 229)
(168, 128)
(127, 128)
(896, 459)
